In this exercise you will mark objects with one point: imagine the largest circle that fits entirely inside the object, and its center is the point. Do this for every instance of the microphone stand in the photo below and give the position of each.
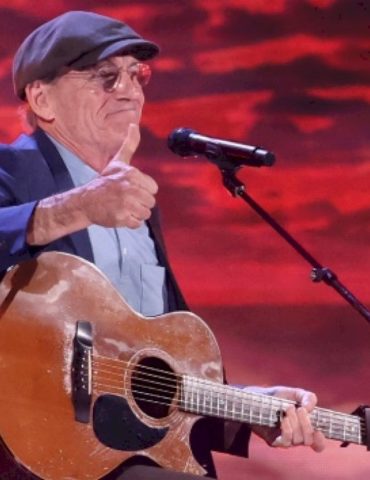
(319, 273)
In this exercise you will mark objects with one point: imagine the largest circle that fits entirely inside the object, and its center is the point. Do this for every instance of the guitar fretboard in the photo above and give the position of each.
(207, 398)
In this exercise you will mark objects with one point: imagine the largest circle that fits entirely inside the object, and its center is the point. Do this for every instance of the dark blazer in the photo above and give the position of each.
(31, 169)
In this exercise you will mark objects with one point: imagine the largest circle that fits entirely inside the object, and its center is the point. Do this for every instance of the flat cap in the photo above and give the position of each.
(75, 39)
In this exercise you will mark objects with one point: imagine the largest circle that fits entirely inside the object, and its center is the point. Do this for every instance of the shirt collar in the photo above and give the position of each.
(80, 172)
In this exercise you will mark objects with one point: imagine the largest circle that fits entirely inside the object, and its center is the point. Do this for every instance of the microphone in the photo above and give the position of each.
(187, 142)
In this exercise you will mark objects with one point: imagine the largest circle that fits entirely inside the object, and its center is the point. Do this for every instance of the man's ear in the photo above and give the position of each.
(37, 94)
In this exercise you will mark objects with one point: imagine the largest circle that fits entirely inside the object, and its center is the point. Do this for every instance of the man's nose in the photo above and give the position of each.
(126, 84)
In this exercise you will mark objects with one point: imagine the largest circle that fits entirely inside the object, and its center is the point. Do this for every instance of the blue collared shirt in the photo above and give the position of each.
(126, 256)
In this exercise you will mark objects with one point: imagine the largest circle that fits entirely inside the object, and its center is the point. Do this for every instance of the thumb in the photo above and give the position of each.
(129, 145)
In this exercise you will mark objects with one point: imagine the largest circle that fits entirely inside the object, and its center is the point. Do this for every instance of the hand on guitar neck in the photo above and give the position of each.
(295, 425)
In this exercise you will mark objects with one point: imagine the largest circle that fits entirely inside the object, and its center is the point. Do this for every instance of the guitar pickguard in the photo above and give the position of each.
(116, 426)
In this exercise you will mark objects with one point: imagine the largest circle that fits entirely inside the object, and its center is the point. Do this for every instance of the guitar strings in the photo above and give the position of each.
(154, 381)
(262, 417)
(335, 429)
(215, 387)
(155, 377)
(218, 388)
(201, 382)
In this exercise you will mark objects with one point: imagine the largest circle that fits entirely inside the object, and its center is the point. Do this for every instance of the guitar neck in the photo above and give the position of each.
(231, 403)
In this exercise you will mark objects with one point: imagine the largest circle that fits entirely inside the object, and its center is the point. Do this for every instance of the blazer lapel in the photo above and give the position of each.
(176, 300)
(80, 240)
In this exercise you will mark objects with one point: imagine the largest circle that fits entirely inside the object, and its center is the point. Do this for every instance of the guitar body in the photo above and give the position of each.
(40, 303)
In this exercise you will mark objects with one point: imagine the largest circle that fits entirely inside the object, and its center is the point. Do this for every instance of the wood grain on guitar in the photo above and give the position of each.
(159, 375)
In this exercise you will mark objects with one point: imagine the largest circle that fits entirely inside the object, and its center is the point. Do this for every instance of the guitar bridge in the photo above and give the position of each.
(81, 373)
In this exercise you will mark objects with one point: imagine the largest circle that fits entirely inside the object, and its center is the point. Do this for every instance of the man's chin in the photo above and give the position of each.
(120, 126)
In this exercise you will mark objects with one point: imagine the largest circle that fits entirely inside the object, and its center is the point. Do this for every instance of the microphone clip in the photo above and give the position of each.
(216, 155)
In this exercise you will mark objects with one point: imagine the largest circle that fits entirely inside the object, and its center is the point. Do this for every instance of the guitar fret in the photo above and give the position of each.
(204, 402)
(260, 412)
(315, 418)
(344, 429)
(192, 395)
(251, 416)
(271, 412)
(242, 410)
(330, 433)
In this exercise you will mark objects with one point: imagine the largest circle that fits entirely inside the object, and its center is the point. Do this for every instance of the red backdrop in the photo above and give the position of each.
(292, 76)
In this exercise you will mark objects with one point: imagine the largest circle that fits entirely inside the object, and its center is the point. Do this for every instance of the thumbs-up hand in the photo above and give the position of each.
(121, 196)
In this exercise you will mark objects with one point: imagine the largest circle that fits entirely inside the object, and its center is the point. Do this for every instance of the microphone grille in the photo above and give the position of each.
(178, 141)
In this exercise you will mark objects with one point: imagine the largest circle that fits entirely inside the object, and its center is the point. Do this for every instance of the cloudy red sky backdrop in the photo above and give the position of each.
(292, 76)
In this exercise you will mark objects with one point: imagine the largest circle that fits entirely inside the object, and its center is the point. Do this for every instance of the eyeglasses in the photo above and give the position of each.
(109, 76)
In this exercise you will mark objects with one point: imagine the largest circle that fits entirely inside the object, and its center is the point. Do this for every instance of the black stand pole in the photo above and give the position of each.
(319, 273)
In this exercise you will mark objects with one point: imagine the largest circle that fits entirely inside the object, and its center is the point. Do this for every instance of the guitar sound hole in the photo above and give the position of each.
(154, 386)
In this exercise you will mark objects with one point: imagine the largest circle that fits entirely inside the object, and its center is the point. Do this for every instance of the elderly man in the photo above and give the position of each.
(70, 187)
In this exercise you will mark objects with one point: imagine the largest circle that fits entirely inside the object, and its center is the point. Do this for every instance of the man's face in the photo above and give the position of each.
(95, 106)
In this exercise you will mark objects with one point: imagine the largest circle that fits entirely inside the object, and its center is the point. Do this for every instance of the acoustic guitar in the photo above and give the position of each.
(69, 343)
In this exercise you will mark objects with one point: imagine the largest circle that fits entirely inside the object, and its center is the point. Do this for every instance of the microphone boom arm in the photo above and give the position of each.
(319, 273)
